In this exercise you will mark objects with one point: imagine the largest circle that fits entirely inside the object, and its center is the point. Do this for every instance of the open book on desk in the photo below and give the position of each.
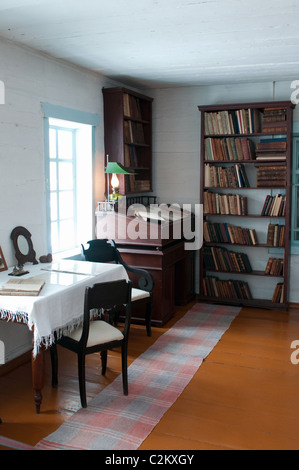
(30, 286)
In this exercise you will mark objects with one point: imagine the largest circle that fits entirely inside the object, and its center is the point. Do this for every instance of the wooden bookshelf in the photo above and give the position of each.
(128, 136)
(246, 158)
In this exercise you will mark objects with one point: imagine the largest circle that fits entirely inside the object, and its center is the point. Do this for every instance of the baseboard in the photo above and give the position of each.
(14, 363)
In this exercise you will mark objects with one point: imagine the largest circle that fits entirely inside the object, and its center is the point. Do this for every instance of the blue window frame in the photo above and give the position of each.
(62, 188)
(69, 153)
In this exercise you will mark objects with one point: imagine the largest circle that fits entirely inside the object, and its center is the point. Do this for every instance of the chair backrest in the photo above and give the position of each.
(107, 295)
(105, 251)
(100, 251)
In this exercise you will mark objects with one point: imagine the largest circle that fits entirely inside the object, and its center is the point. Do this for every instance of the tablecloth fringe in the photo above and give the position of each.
(45, 342)
(19, 317)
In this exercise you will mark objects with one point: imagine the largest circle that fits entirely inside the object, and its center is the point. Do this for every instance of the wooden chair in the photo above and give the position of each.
(98, 335)
(104, 251)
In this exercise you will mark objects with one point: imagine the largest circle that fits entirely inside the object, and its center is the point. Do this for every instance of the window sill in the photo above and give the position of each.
(68, 254)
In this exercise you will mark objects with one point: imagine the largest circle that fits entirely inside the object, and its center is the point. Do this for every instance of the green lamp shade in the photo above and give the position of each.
(118, 169)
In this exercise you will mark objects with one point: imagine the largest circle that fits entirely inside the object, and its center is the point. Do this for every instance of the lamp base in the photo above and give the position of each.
(115, 196)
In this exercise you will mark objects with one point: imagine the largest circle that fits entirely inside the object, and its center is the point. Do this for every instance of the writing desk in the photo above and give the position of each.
(57, 309)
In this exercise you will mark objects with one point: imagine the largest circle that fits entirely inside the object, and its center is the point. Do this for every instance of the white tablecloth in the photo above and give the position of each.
(59, 306)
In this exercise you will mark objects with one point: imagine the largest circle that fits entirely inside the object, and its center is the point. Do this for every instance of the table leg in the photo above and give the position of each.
(38, 371)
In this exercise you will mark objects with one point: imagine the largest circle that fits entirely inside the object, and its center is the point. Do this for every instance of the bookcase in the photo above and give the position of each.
(128, 136)
(245, 181)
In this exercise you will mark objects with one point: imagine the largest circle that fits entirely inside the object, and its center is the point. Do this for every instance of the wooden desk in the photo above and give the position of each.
(163, 255)
(57, 308)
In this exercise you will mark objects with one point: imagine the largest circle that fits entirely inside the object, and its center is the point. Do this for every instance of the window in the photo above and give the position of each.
(69, 189)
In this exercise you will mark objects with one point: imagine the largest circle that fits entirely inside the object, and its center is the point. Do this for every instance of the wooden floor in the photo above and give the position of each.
(244, 396)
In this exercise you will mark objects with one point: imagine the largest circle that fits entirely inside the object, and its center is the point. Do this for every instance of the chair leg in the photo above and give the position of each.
(82, 385)
(148, 318)
(54, 364)
(104, 361)
(124, 352)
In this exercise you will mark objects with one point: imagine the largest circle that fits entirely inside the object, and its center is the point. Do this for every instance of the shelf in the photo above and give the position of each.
(128, 137)
(252, 273)
(252, 216)
(142, 121)
(261, 303)
(257, 134)
(133, 144)
(237, 139)
(254, 162)
(244, 188)
(258, 245)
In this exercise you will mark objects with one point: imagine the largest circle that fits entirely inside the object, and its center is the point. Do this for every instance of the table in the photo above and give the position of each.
(57, 309)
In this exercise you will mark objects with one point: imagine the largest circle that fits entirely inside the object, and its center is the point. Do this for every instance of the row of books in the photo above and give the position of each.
(131, 106)
(131, 159)
(274, 120)
(142, 185)
(230, 148)
(274, 205)
(220, 259)
(271, 149)
(241, 121)
(275, 235)
(274, 267)
(133, 132)
(271, 176)
(224, 204)
(226, 233)
(133, 185)
(226, 289)
(235, 289)
(226, 177)
(278, 293)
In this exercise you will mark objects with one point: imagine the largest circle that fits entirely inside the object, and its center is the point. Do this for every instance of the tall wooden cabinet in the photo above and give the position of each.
(246, 155)
(128, 136)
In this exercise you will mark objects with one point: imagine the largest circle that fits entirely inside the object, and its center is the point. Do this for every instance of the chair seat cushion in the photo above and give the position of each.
(100, 332)
(138, 294)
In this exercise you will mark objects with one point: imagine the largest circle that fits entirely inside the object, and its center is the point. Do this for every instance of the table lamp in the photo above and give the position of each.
(115, 169)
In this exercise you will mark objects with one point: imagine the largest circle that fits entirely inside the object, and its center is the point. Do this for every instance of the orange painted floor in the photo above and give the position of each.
(244, 396)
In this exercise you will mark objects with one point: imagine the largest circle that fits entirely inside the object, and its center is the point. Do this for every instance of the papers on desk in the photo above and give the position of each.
(30, 286)
(161, 214)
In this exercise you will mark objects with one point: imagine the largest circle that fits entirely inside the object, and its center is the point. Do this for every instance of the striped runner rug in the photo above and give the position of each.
(113, 421)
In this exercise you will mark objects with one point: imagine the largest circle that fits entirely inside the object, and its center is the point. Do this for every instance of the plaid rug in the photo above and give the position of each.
(113, 421)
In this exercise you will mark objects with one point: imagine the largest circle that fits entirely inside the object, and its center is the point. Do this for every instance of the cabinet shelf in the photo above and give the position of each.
(231, 188)
(142, 121)
(261, 303)
(239, 273)
(128, 137)
(252, 216)
(258, 245)
(255, 162)
(256, 136)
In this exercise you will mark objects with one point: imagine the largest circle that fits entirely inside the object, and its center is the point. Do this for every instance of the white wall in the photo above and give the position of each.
(31, 78)
(176, 143)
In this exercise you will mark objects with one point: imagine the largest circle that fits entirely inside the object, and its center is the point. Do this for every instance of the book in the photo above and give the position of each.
(278, 293)
(29, 286)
